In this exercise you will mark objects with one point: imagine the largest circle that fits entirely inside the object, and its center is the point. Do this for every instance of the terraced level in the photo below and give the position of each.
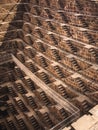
(48, 63)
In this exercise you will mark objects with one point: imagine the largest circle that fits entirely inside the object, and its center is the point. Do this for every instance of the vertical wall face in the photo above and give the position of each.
(51, 71)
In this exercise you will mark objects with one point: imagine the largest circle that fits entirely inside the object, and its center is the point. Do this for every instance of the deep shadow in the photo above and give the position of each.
(9, 44)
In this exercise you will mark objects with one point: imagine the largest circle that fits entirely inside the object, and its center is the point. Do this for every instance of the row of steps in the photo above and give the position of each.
(59, 71)
(91, 40)
(74, 49)
(19, 73)
(11, 124)
(47, 120)
(20, 88)
(34, 123)
(30, 83)
(12, 109)
(45, 98)
(81, 84)
(55, 54)
(45, 77)
(31, 66)
(32, 103)
(39, 33)
(67, 30)
(49, 15)
(75, 64)
(78, 5)
(83, 21)
(43, 61)
(53, 39)
(51, 25)
(63, 91)
(21, 123)
(41, 47)
(21, 105)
